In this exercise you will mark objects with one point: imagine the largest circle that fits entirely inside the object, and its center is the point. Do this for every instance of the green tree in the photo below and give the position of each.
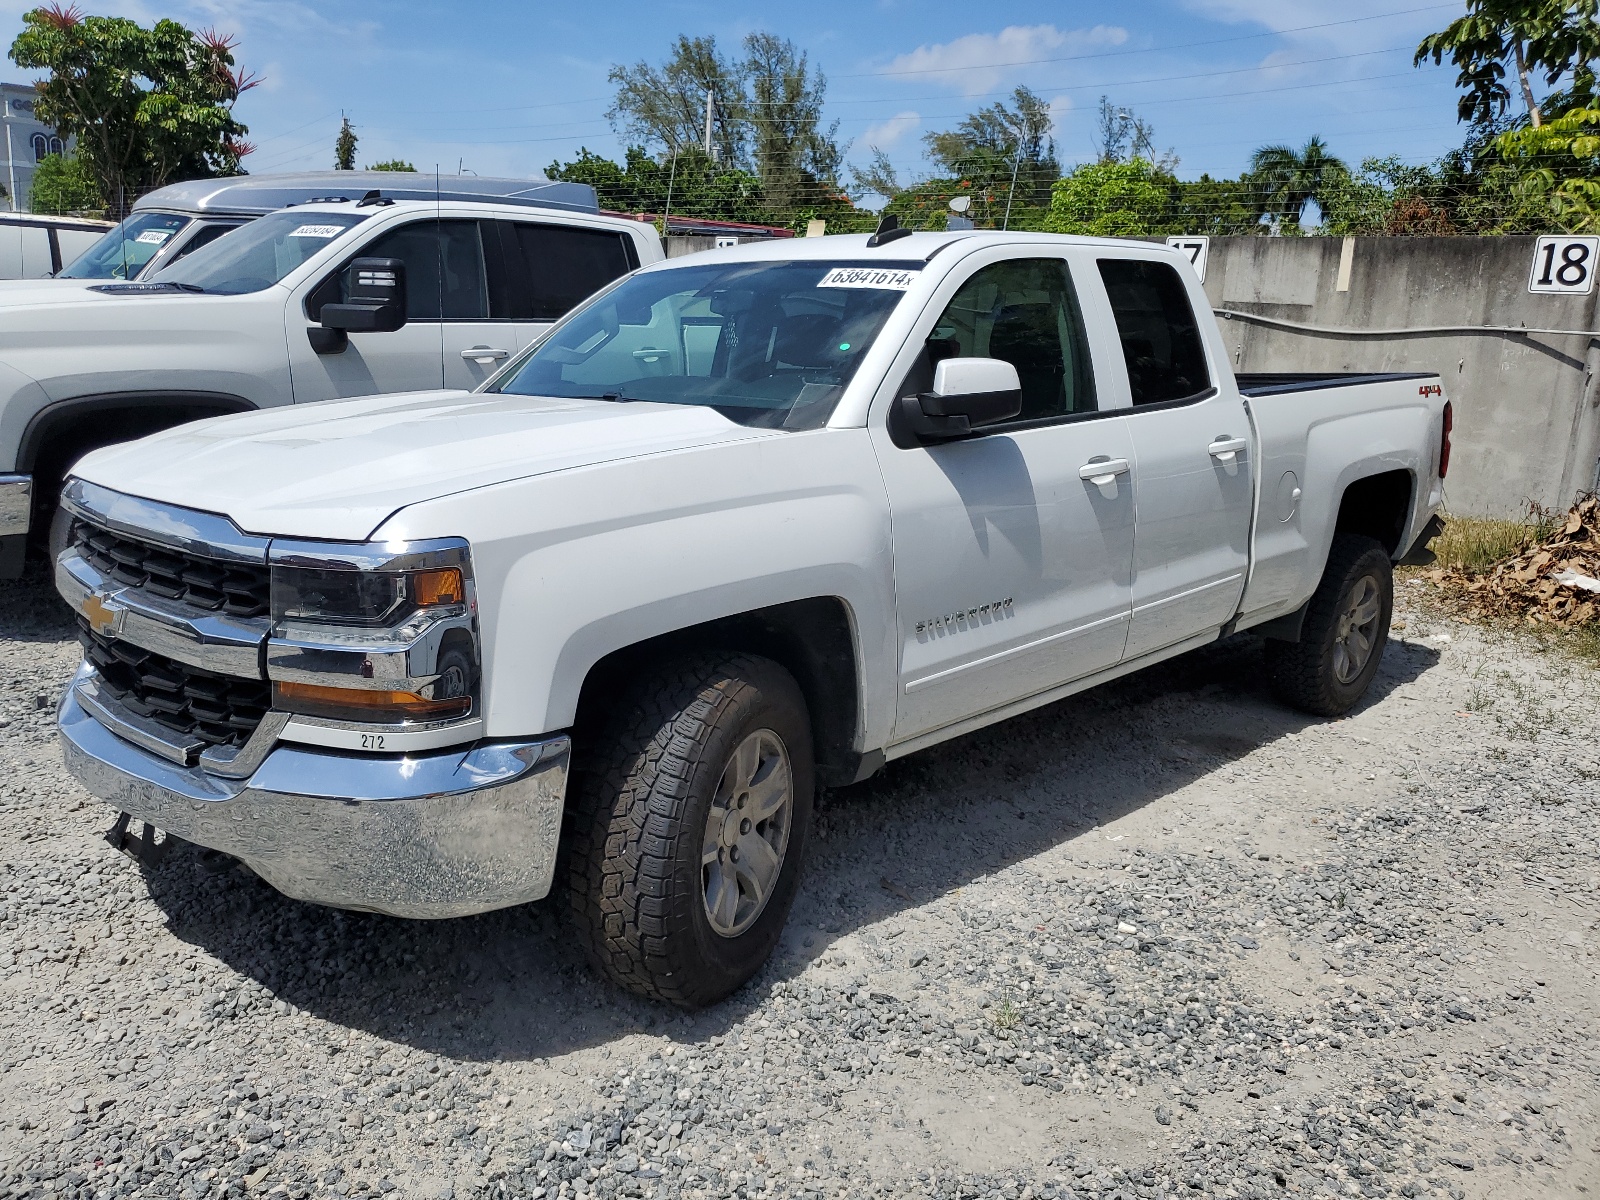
(1215, 207)
(1549, 38)
(344, 146)
(64, 185)
(1285, 180)
(146, 106)
(664, 108)
(393, 164)
(1563, 174)
(1121, 135)
(1001, 143)
(795, 158)
(1111, 199)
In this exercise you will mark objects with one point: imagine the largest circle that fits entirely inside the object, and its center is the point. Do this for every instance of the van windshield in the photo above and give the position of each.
(126, 250)
(769, 344)
(253, 258)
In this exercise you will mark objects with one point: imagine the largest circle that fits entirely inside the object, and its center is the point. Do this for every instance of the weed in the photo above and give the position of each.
(1481, 543)
(1007, 1015)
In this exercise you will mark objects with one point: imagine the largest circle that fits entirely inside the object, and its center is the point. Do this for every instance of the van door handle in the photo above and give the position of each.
(1103, 471)
(485, 354)
(1225, 448)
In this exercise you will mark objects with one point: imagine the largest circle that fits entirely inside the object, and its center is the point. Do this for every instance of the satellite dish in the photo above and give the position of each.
(960, 204)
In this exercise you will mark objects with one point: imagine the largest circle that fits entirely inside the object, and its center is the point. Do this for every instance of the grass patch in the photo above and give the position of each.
(1478, 544)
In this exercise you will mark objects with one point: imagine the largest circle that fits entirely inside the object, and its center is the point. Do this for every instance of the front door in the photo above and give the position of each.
(447, 312)
(1191, 444)
(1012, 561)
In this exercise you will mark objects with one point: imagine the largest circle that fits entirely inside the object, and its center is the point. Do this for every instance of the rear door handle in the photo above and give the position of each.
(1226, 447)
(485, 354)
(1104, 470)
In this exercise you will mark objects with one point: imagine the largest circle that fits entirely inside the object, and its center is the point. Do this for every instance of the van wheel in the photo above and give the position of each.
(688, 826)
(1346, 628)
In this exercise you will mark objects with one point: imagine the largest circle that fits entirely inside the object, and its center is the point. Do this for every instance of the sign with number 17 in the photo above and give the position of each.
(1564, 265)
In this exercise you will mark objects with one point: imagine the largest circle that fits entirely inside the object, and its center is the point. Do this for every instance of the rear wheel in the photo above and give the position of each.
(688, 825)
(1345, 630)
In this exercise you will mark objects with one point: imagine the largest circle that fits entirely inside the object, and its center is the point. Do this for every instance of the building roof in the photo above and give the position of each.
(255, 195)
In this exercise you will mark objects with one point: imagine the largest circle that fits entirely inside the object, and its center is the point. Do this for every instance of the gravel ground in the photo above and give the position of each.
(1163, 939)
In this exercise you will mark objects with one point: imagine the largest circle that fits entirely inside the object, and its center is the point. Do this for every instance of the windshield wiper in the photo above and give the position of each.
(185, 287)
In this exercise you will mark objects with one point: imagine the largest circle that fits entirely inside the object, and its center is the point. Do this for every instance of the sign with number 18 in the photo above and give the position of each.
(1564, 265)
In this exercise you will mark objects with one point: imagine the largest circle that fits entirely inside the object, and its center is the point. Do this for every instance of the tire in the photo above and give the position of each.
(647, 789)
(1323, 673)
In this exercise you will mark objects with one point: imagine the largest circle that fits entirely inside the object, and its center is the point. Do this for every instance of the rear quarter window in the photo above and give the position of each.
(1156, 324)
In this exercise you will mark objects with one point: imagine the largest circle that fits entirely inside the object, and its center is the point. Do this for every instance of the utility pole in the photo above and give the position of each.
(711, 107)
(1017, 162)
(666, 220)
(11, 157)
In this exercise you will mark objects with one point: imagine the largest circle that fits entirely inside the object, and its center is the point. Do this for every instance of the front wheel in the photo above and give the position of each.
(688, 827)
(1345, 630)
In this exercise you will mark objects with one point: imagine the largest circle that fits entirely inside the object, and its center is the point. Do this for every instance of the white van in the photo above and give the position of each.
(35, 246)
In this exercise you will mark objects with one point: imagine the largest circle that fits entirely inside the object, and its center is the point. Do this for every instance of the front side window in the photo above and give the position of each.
(124, 251)
(1026, 313)
(261, 253)
(444, 269)
(1160, 338)
(769, 344)
(566, 266)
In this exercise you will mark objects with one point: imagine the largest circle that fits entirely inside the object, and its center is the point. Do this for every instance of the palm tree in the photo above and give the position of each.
(1286, 179)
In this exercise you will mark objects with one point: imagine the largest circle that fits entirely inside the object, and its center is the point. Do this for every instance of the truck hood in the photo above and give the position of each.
(29, 293)
(336, 470)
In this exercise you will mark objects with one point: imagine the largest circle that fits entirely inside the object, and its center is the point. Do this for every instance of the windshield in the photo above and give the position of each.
(768, 343)
(124, 251)
(257, 256)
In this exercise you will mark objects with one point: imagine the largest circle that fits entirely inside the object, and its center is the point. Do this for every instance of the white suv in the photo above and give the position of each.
(237, 325)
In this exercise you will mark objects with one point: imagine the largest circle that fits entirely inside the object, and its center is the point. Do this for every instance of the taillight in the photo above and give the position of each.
(1444, 440)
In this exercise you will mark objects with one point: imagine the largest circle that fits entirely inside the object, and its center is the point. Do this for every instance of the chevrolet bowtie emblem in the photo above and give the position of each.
(103, 614)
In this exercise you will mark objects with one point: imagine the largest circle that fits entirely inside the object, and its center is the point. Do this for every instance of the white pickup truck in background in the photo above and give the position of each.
(743, 523)
(238, 324)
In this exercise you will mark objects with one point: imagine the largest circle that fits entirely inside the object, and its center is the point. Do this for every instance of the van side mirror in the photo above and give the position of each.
(376, 288)
(968, 393)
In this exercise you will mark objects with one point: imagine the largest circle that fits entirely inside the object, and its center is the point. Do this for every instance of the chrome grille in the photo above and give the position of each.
(238, 589)
(221, 710)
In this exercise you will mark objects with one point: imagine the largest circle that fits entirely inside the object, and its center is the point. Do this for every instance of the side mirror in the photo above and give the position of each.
(377, 298)
(968, 393)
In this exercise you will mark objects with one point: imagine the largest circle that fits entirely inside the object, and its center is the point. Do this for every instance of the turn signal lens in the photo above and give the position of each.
(441, 586)
(359, 704)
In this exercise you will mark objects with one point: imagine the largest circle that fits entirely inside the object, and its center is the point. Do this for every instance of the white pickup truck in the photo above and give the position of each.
(743, 524)
(239, 324)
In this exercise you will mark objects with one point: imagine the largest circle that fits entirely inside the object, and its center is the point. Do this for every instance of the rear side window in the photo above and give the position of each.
(568, 265)
(1156, 323)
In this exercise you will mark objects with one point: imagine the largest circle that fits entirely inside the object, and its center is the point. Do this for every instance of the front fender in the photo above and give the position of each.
(573, 566)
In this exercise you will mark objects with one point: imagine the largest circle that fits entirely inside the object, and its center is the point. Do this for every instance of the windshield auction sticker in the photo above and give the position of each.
(869, 277)
(153, 237)
(318, 231)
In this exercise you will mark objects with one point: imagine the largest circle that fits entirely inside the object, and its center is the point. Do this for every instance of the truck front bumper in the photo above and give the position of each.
(443, 834)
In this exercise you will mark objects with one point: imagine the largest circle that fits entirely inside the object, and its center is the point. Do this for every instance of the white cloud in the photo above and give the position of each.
(886, 133)
(979, 62)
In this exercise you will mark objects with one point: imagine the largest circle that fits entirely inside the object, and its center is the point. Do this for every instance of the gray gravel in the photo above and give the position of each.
(1162, 939)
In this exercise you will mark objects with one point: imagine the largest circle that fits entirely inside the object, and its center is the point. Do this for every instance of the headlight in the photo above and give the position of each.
(374, 634)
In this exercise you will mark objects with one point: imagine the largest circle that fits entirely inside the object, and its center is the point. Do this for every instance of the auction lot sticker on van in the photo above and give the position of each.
(869, 277)
(154, 237)
(318, 231)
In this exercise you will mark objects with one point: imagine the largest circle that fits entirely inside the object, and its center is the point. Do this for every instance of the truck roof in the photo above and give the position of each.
(915, 246)
(256, 195)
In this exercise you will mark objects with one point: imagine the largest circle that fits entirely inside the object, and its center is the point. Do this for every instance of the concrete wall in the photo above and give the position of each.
(1526, 423)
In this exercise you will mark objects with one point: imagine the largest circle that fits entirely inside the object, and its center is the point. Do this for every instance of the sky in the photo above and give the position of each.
(506, 88)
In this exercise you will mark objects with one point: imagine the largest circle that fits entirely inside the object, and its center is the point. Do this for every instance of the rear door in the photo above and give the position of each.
(561, 266)
(1191, 449)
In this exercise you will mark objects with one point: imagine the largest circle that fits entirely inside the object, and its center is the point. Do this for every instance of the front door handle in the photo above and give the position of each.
(1103, 471)
(485, 354)
(1225, 448)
